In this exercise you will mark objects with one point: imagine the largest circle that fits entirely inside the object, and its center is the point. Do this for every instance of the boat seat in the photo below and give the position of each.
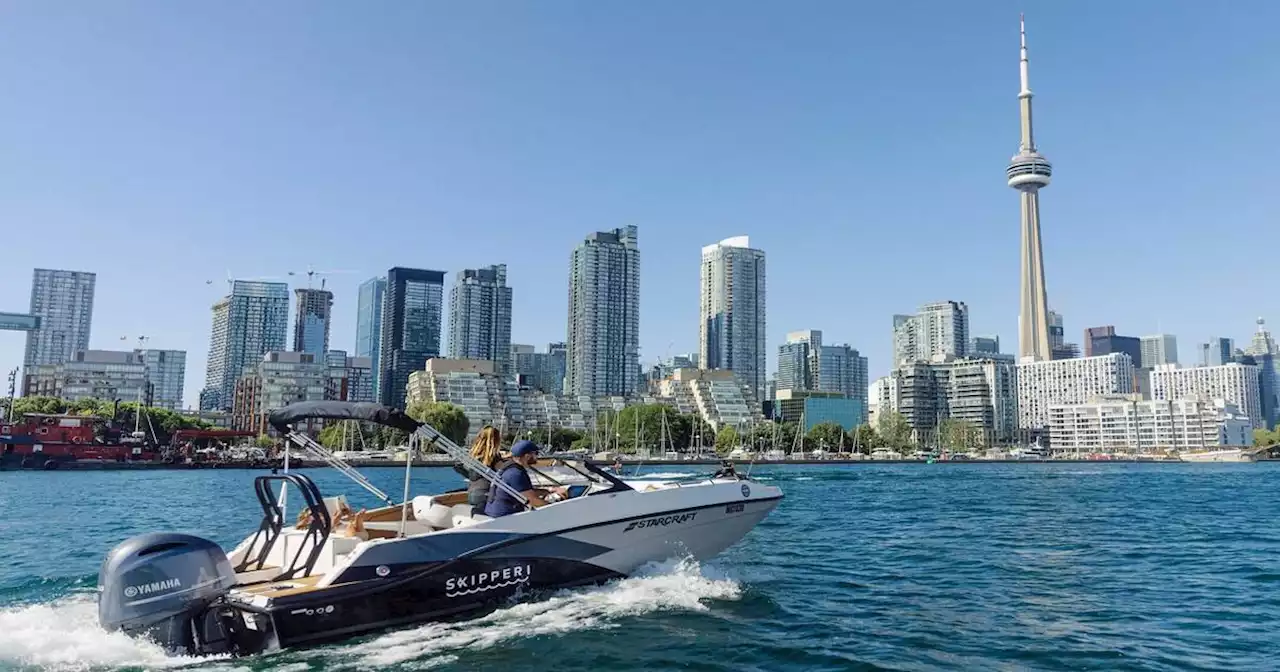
(462, 516)
(427, 510)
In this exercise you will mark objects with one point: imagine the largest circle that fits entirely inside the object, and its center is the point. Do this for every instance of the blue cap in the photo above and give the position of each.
(524, 446)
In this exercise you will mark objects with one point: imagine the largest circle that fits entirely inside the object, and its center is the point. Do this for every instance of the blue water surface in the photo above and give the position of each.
(864, 567)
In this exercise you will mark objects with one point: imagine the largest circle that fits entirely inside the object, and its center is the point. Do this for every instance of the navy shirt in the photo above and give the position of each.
(503, 504)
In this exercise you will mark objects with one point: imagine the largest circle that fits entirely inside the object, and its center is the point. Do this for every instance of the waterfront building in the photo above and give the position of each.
(1042, 384)
(410, 332)
(939, 331)
(1216, 352)
(166, 376)
(485, 396)
(277, 380)
(1237, 384)
(480, 317)
(1264, 352)
(1158, 350)
(719, 397)
(603, 346)
(732, 315)
(350, 378)
(1128, 424)
(247, 324)
(62, 305)
(1028, 172)
(798, 360)
(815, 408)
(542, 371)
(311, 321)
(91, 374)
(979, 392)
(842, 370)
(369, 322)
(882, 396)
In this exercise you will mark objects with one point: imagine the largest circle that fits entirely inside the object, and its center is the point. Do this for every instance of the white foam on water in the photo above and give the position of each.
(671, 585)
(63, 635)
(657, 475)
(804, 478)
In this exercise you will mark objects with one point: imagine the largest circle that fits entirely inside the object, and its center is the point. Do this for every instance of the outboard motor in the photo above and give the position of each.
(160, 586)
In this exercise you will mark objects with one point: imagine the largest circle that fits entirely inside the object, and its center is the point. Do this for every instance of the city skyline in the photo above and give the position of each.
(817, 182)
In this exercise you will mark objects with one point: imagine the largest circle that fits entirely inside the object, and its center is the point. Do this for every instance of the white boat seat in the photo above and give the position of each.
(427, 510)
(462, 516)
(335, 504)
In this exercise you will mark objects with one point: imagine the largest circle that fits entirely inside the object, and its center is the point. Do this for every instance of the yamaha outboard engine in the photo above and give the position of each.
(160, 586)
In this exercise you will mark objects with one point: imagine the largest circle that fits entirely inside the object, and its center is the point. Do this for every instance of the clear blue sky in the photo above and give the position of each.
(860, 144)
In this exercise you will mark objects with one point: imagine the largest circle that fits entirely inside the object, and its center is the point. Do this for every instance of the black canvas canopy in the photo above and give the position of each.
(342, 410)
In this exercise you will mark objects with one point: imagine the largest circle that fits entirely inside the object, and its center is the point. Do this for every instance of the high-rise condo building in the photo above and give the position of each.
(980, 392)
(411, 321)
(1028, 172)
(251, 322)
(480, 317)
(1042, 384)
(732, 315)
(63, 302)
(1104, 341)
(603, 356)
(1262, 349)
(805, 364)
(939, 331)
(311, 324)
(369, 321)
(1235, 383)
(542, 371)
(166, 376)
(1158, 350)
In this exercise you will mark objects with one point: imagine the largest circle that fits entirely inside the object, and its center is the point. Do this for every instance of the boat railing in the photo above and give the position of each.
(319, 526)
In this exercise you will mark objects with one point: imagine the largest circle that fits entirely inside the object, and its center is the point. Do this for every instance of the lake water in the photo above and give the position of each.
(862, 567)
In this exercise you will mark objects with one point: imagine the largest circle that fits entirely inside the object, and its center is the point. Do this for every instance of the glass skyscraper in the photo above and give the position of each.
(251, 322)
(480, 317)
(732, 324)
(412, 309)
(63, 300)
(311, 324)
(369, 321)
(603, 354)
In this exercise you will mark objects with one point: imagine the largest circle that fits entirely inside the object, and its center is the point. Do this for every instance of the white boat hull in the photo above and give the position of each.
(1228, 455)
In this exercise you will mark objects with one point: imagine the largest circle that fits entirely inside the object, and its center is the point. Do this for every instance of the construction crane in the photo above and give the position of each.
(311, 273)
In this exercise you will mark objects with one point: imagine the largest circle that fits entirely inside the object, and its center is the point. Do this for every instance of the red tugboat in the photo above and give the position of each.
(43, 441)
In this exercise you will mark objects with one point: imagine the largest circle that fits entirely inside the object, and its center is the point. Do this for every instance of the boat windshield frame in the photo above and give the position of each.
(588, 470)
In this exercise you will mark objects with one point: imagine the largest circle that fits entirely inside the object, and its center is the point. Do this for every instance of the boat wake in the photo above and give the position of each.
(63, 635)
(674, 585)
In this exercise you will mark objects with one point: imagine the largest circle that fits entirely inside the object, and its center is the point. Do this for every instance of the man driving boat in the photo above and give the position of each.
(515, 473)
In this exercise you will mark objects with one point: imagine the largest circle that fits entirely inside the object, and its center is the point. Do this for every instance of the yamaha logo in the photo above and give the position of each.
(149, 588)
(746, 490)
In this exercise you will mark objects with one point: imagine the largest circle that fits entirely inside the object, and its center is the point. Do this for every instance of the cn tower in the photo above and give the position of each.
(1028, 171)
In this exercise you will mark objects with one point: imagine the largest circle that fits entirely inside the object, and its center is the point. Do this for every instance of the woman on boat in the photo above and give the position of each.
(485, 449)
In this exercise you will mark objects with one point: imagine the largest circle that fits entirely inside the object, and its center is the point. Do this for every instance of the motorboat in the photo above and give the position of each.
(333, 573)
(1219, 455)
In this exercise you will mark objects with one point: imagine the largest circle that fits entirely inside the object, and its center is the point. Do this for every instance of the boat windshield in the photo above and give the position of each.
(572, 470)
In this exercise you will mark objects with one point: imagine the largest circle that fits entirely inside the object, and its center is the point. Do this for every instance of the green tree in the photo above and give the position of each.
(761, 436)
(264, 442)
(727, 439)
(866, 439)
(446, 418)
(581, 443)
(1266, 437)
(828, 435)
(894, 429)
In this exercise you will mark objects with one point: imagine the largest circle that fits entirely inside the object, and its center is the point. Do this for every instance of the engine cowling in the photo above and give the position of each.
(160, 586)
